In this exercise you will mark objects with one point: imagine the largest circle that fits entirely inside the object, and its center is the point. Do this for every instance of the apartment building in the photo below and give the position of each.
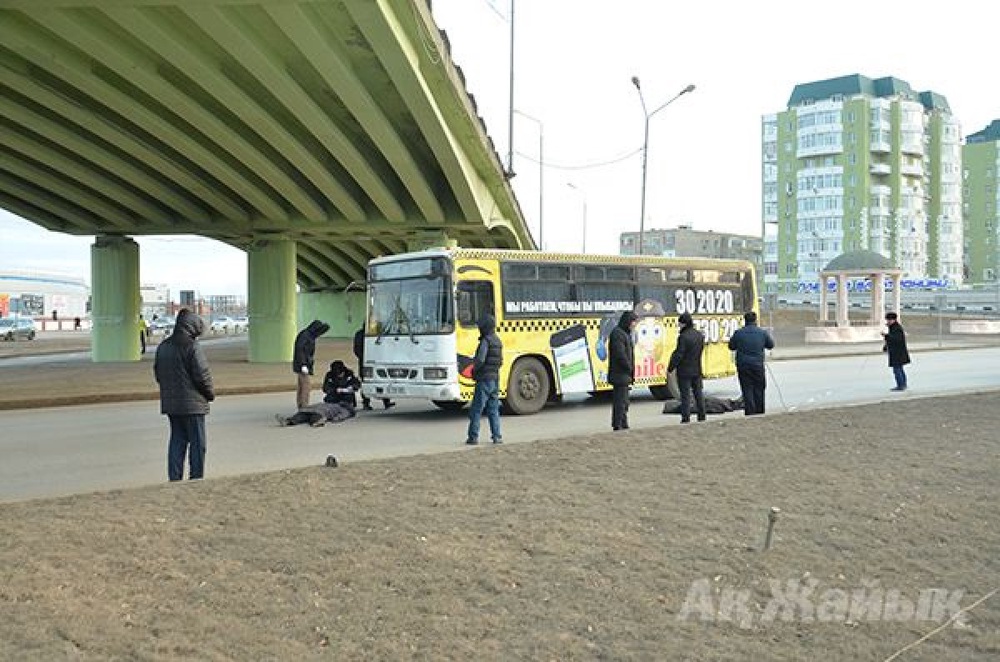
(855, 163)
(685, 241)
(981, 196)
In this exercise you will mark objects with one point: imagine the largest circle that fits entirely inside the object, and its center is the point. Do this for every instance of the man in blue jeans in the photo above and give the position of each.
(749, 343)
(185, 390)
(486, 374)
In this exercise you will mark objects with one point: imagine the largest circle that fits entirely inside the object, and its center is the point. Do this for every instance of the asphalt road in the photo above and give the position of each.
(71, 450)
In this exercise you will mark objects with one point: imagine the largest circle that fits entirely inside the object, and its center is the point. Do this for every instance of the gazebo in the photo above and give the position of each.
(855, 264)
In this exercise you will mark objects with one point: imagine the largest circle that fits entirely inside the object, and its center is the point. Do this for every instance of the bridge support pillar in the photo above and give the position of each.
(271, 300)
(343, 311)
(115, 301)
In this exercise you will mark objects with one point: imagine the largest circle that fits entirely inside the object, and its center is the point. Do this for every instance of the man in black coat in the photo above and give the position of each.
(621, 368)
(686, 360)
(340, 385)
(359, 352)
(186, 388)
(302, 359)
(895, 346)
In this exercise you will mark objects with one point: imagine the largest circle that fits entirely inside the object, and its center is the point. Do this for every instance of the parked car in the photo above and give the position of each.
(163, 326)
(242, 323)
(17, 328)
(224, 324)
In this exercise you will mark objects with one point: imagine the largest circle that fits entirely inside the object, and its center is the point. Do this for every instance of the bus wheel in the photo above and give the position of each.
(528, 387)
(668, 391)
(449, 405)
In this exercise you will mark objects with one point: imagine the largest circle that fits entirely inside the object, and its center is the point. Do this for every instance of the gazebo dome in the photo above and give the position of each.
(860, 261)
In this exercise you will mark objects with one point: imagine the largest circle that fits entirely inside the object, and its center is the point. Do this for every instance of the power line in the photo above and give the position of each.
(496, 11)
(585, 166)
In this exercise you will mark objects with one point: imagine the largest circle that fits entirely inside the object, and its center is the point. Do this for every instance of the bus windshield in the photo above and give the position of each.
(412, 297)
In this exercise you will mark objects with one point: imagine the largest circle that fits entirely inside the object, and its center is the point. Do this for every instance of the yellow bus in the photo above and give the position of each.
(554, 313)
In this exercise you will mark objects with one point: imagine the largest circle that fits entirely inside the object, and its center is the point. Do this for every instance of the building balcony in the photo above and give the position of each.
(881, 146)
(880, 169)
(916, 170)
(818, 150)
(912, 147)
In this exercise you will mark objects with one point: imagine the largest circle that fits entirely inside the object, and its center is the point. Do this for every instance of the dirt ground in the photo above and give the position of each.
(645, 545)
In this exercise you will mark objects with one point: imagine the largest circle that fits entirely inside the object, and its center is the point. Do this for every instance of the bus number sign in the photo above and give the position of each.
(704, 302)
(717, 330)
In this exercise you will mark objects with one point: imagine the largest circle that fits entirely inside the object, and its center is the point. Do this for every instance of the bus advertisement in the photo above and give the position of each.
(554, 313)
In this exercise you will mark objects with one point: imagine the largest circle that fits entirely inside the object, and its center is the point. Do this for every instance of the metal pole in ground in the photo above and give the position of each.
(939, 301)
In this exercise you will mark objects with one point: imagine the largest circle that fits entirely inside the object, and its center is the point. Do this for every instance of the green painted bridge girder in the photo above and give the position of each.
(340, 125)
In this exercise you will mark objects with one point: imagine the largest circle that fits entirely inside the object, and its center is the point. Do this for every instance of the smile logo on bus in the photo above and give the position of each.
(465, 364)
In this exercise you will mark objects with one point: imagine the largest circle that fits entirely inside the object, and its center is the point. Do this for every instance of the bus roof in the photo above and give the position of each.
(566, 258)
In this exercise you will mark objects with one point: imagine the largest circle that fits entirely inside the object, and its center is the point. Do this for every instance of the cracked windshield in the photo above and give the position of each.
(411, 298)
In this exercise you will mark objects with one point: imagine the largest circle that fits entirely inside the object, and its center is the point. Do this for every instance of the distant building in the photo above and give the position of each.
(684, 241)
(981, 211)
(155, 300)
(860, 164)
(38, 295)
(226, 304)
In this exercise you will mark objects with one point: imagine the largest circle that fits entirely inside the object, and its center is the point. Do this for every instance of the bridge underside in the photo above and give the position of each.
(341, 125)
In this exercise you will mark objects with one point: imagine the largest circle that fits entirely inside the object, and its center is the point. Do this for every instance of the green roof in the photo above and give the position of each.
(987, 135)
(860, 261)
(855, 84)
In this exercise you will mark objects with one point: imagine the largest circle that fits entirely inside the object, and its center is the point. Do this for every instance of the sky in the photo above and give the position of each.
(573, 65)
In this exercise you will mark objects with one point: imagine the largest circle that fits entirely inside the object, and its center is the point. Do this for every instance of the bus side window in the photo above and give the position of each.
(474, 299)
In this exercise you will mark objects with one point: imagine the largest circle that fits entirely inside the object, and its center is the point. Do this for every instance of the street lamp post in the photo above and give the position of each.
(510, 91)
(584, 196)
(645, 149)
(541, 176)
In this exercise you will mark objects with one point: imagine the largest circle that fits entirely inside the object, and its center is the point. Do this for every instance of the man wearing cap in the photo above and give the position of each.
(749, 343)
(686, 360)
(895, 346)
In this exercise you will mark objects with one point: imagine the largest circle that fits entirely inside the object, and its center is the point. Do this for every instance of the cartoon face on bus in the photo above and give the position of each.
(650, 340)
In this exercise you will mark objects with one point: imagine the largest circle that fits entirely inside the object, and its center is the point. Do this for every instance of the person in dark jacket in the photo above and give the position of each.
(317, 415)
(340, 385)
(686, 360)
(143, 334)
(185, 381)
(621, 368)
(302, 359)
(359, 352)
(895, 346)
(749, 343)
(486, 373)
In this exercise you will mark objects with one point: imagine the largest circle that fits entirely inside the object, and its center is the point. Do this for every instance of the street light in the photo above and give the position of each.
(584, 196)
(510, 106)
(645, 148)
(541, 175)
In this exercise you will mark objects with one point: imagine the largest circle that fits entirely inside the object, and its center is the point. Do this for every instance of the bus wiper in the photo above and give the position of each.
(384, 328)
(399, 319)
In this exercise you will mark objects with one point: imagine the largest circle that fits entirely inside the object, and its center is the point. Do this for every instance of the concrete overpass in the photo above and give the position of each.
(312, 134)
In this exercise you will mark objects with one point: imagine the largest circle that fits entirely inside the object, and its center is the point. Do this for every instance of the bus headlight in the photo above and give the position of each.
(366, 372)
(435, 373)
